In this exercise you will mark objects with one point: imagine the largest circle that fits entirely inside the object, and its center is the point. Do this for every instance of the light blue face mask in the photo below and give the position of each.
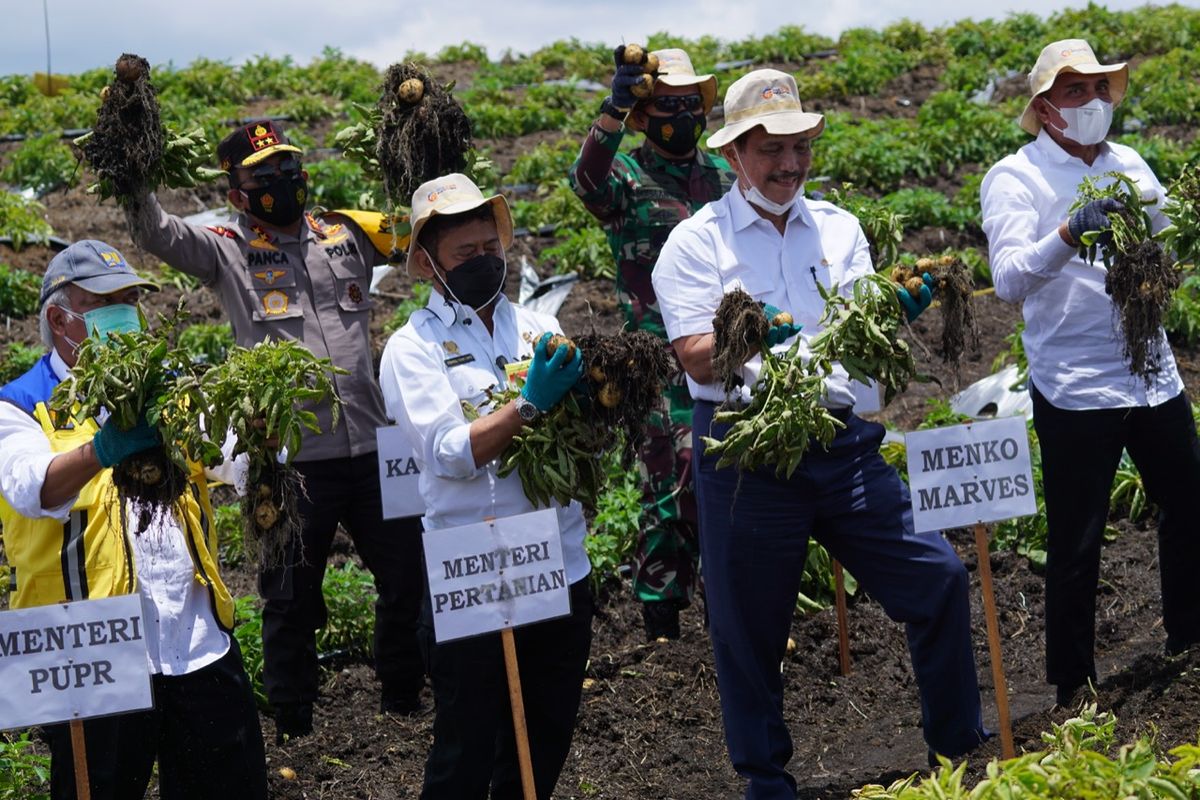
(100, 323)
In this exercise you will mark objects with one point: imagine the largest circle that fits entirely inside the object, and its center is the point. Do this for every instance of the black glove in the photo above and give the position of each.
(624, 79)
(1094, 217)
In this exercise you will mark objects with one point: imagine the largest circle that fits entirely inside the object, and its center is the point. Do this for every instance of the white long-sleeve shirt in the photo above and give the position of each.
(438, 360)
(182, 635)
(728, 245)
(1072, 336)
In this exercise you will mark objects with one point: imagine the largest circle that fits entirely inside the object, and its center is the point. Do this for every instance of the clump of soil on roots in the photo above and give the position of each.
(1141, 284)
(423, 131)
(954, 292)
(148, 483)
(125, 148)
(739, 329)
(270, 518)
(626, 373)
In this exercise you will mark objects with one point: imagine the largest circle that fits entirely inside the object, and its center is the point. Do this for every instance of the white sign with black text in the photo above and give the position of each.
(73, 661)
(498, 574)
(966, 474)
(399, 477)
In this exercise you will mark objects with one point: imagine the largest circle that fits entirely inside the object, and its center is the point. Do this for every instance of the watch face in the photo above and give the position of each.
(527, 410)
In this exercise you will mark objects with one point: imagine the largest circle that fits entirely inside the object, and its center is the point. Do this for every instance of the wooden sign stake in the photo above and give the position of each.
(842, 622)
(83, 785)
(993, 629)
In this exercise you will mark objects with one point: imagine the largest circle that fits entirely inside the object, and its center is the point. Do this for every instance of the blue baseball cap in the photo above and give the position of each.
(91, 265)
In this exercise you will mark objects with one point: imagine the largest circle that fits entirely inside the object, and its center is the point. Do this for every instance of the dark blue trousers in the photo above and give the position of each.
(753, 542)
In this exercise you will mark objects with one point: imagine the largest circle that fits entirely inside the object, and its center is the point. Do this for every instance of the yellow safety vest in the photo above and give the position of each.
(88, 556)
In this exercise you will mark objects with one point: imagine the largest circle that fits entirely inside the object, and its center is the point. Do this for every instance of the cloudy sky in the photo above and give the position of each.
(90, 33)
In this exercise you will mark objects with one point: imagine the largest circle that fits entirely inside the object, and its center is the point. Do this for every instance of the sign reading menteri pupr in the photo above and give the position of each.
(73, 661)
(966, 474)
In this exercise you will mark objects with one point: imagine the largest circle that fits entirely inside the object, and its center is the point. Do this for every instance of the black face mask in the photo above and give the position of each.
(476, 281)
(676, 134)
(280, 202)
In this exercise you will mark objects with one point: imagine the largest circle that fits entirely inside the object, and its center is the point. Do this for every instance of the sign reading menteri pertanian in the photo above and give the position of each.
(73, 661)
(967, 474)
(497, 574)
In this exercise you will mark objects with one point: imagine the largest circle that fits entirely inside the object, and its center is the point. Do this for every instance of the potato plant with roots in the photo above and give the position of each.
(953, 294)
(1141, 279)
(560, 455)
(129, 149)
(264, 396)
(135, 376)
(785, 415)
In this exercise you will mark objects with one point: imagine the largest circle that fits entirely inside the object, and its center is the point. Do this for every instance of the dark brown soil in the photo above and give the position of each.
(650, 725)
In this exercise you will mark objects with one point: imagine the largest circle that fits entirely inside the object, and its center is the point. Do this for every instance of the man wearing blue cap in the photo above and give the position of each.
(63, 537)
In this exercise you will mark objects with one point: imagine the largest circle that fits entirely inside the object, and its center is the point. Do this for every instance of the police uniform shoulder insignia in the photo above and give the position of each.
(221, 230)
(450, 346)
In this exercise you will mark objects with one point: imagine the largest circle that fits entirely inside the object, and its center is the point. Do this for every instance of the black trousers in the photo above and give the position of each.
(474, 747)
(346, 491)
(1080, 454)
(203, 730)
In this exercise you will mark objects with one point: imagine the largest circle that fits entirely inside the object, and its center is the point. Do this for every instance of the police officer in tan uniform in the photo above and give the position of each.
(284, 274)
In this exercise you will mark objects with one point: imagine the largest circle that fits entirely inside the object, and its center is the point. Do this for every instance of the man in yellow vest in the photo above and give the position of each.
(64, 541)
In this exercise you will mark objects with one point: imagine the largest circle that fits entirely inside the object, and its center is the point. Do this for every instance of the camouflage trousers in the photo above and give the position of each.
(665, 563)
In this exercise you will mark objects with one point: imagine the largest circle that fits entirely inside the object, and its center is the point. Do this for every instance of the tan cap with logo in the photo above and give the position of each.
(455, 194)
(1069, 55)
(769, 98)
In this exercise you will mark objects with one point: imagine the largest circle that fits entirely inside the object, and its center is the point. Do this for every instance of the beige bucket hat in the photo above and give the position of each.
(1069, 55)
(675, 69)
(769, 98)
(455, 194)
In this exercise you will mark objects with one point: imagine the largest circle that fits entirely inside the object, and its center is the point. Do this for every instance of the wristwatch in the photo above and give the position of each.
(527, 410)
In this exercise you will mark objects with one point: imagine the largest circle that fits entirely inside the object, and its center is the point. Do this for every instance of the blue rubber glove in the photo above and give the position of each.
(113, 445)
(624, 79)
(914, 306)
(1094, 217)
(777, 334)
(551, 376)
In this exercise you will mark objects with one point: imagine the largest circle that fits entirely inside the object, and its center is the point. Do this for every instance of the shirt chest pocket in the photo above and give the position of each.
(657, 215)
(272, 293)
(470, 379)
(351, 276)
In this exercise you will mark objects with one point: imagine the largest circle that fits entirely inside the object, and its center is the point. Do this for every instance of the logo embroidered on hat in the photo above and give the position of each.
(112, 259)
(438, 191)
(262, 136)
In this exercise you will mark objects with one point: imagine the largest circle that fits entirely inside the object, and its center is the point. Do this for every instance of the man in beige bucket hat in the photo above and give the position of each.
(639, 197)
(1087, 404)
(465, 342)
(783, 249)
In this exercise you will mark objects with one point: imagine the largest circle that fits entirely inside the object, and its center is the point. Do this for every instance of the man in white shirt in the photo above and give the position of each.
(447, 356)
(766, 238)
(66, 540)
(1087, 404)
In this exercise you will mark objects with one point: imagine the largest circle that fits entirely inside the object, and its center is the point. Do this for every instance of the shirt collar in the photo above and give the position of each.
(60, 368)
(1054, 152)
(744, 214)
(449, 312)
(652, 160)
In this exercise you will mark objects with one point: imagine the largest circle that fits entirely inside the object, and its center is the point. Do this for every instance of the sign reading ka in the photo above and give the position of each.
(966, 474)
(399, 475)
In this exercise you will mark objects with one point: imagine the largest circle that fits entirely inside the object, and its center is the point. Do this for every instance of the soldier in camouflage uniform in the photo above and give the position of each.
(640, 196)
